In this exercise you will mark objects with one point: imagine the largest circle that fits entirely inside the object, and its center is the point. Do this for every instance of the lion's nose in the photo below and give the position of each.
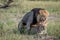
(42, 19)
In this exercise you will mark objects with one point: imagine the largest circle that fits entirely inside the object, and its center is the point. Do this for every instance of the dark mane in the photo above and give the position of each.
(35, 11)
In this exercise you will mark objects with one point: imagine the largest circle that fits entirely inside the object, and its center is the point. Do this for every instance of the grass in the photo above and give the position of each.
(54, 28)
(10, 17)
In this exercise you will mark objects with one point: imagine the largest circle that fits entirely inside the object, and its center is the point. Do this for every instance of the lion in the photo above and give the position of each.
(37, 17)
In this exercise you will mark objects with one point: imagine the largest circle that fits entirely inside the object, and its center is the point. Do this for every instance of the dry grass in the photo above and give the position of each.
(10, 17)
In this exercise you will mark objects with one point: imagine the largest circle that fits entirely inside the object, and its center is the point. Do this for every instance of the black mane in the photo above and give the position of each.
(35, 11)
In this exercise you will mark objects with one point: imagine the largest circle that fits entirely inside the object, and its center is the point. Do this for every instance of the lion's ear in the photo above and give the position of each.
(44, 12)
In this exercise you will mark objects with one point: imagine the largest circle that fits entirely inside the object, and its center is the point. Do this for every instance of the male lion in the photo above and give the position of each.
(37, 17)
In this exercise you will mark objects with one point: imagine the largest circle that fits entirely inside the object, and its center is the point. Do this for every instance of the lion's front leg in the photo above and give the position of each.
(43, 29)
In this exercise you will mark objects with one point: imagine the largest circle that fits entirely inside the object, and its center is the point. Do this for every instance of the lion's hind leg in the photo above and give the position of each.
(21, 27)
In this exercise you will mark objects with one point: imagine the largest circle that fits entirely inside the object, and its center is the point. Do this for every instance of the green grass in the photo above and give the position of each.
(10, 17)
(54, 28)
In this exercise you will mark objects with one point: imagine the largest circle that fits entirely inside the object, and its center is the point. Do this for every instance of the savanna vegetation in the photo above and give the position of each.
(10, 17)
